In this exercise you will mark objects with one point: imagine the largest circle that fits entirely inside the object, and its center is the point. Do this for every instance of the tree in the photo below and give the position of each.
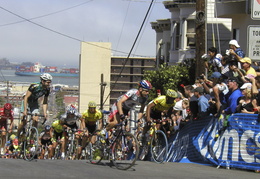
(170, 77)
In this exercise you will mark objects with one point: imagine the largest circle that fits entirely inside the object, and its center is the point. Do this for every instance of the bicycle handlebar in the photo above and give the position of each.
(40, 115)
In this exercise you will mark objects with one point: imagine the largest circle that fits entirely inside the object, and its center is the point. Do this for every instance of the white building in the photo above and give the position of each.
(175, 37)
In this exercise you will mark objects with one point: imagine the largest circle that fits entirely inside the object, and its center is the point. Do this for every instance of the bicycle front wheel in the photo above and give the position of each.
(125, 151)
(96, 147)
(159, 146)
(30, 145)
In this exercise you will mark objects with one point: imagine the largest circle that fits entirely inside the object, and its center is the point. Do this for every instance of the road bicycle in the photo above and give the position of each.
(29, 139)
(157, 141)
(57, 150)
(72, 144)
(122, 149)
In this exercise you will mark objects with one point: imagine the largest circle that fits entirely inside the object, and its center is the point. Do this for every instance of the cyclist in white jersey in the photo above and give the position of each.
(128, 101)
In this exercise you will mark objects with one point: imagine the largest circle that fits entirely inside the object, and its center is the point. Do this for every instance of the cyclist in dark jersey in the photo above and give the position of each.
(128, 101)
(45, 140)
(34, 92)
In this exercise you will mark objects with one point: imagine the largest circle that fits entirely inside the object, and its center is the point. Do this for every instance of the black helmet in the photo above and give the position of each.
(47, 128)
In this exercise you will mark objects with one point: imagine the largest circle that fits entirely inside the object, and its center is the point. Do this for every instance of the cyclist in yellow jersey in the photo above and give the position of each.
(90, 117)
(89, 120)
(58, 133)
(161, 104)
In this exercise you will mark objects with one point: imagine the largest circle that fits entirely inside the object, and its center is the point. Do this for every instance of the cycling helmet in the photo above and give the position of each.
(71, 109)
(47, 128)
(12, 137)
(145, 84)
(7, 106)
(171, 93)
(92, 104)
(46, 77)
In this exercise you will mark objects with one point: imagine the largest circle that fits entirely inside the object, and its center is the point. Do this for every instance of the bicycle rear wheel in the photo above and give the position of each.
(159, 146)
(30, 145)
(96, 147)
(125, 151)
(57, 154)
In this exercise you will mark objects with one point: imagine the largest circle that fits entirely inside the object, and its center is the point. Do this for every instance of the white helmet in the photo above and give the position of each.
(46, 77)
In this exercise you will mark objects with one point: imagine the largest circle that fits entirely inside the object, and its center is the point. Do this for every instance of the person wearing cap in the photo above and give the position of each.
(214, 62)
(246, 65)
(236, 51)
(203, 102)
(245, 102)
(232, 96)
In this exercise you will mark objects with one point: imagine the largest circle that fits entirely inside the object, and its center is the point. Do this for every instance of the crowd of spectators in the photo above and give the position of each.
(232, 86)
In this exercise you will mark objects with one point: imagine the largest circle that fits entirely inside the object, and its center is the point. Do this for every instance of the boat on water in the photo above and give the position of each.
(37, 69)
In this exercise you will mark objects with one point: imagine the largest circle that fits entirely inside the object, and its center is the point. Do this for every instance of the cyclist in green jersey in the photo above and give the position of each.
(30, 102)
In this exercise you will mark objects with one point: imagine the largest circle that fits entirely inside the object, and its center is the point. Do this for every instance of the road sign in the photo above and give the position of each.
(253, 33)
(255, 9)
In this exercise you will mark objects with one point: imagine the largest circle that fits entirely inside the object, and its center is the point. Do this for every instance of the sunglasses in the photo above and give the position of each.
(145, 89)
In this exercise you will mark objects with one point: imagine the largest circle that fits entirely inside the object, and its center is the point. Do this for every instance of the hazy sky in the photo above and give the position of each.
(50, 31)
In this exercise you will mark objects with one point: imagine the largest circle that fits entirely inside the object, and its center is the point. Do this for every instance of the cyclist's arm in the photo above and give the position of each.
(120, 105)
(11, 124)
(148, 111)
(45, 106)
(82, 123)
(141, 112)
(27, 95)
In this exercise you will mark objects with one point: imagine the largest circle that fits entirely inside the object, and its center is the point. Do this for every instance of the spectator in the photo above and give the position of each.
(246, 65)
(245, 103)
(236, 52)
(203, 102)
(232, 96)
(214, 62)
(193, 101)
(218, 91)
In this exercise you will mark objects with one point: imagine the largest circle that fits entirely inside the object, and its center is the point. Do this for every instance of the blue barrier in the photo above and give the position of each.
(205, 142)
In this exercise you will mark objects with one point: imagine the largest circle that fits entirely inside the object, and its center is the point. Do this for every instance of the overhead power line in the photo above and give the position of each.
(62, 34)
(12, 23)
(137, 36)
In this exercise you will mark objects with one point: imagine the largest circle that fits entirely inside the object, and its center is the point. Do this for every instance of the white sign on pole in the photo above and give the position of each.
(255, 9)
(253, 33)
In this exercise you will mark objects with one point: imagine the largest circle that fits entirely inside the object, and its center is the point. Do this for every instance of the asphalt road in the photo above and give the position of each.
(66, 169)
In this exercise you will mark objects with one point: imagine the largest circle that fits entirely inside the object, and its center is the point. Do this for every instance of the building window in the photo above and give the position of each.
(236, 34)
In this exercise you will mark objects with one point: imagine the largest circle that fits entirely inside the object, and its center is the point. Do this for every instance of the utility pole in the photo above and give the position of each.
(7, 91)
(200, 36)
(102, 91)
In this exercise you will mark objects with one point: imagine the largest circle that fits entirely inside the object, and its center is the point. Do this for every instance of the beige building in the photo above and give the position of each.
(119, 74)
(95, 60)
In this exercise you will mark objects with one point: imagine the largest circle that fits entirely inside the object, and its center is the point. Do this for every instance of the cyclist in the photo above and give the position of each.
(89, 120)
(58, 134)
(69, 121)
(13, 150)
(158, 106)
(128, 101)
(45, 139)
(5, 114)
(30, 102)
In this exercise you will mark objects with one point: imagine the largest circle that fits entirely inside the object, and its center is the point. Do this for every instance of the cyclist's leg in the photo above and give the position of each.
(50, 150)
(21, 126)
(3, 136)
(113, 118)
(63, 144)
